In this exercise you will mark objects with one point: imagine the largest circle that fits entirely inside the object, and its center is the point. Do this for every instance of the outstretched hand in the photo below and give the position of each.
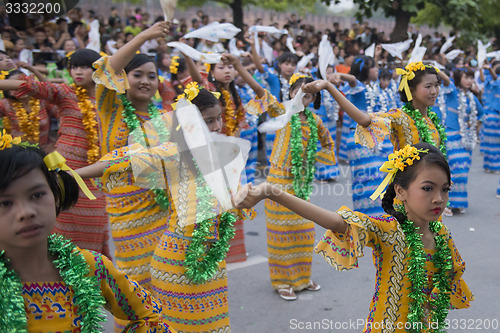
(314, 87)
(157, 30)
(249, 195)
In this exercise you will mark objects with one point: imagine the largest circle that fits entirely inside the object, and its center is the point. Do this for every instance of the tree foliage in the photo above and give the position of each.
(453, 12)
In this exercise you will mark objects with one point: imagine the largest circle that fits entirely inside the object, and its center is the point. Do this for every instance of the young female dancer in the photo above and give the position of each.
(49, 284)
(418, 267)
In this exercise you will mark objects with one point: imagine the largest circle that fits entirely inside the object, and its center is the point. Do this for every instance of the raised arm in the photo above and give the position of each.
(193, 70)
(250, 195)
(255, 56)
(33, 70)
(446, 80)
(125, 53)
(245, 75)
(358, 116)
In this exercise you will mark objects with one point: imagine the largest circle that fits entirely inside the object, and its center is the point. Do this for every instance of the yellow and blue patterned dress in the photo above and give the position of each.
(50, 305)
(390, 302)
(290, 238)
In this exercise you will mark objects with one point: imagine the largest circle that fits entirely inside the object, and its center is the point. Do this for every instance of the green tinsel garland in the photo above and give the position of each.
(423, 129)
(74, 271)
(416, 274)
(303, 175)
(132, 121)
(201, 265)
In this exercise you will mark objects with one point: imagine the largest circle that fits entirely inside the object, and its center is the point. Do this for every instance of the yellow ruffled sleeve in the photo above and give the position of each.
(125, 299)
(373, 135)
(106, 76)
(342, 250)
(267, 103)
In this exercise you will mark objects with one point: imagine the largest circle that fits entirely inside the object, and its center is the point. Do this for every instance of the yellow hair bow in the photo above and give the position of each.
(406, 75)
(397, 161)
(6, 140)
(56, 161)
(192, 90)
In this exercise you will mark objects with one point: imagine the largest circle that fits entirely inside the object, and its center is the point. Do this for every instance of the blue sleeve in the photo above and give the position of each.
(480, 109)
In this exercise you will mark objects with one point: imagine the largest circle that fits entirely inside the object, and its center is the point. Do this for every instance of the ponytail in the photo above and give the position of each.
(388, 204)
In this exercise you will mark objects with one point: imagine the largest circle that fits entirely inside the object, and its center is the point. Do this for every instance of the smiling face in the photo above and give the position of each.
(143, 82)
(427, 195)
(27, 212)
(426, 91)
(287, 68)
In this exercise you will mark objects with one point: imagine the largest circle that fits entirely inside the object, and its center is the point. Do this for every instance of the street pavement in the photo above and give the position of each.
(343, 302)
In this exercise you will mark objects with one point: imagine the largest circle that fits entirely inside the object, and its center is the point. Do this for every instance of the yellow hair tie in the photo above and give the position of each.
(192, 90)
(56, 161)
(405, 77)
(397, 161)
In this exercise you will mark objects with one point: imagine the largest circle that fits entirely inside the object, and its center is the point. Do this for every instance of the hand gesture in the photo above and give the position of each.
(228, 58)
(334, 78)
(158, 30)
(22, 64)
(314, 87)
(249, 195)
(249, 39)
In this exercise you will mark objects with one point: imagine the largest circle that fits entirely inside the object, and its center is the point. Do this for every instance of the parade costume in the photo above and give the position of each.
(86, 224)
(136, 219)
(53, 306)
(463, 114)
(491, 125)
(33, 126)
(364, 162)
(290, 238)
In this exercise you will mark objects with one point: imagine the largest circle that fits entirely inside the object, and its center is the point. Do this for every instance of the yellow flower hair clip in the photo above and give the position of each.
(3, 74)
(295, 77)
(398, 161)
(408, 74)
(208, 67)
(7, 141)
(190, 92)
(174, 65)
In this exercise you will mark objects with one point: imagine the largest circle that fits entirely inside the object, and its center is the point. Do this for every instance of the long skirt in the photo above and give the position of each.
(86, 223)
(459, 160)
(491, 142)
(188, 307)
(251, 135)
(365, 177)
(290, 239)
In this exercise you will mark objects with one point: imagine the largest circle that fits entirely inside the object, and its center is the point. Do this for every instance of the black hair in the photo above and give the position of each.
(205, 99)
(408, 175)
(137, 61)
(5, 53)
(417, 79)
(178, 87)
(458, 73)
(360, 67)
(17, 161)
(286, 57)
(318, 73)
(83, 58)
(306, 80)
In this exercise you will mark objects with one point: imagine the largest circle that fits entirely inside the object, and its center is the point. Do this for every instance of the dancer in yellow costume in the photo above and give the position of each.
(418, 267)
(290, 238)
(49, 284)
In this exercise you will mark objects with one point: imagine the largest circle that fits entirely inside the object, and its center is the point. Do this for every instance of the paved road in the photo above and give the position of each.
(343, 301)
